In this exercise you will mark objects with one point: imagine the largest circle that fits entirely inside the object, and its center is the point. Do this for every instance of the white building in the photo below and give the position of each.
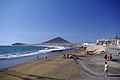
(108, 42)
(118, 42)
(86, 44)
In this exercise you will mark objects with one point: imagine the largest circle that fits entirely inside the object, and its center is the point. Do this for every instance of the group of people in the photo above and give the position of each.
(67, 56)
(108, 57)
(105, 73)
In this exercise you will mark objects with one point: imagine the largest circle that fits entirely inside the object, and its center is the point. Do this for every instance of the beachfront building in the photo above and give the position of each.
(108, 42)
(86, 44)
(118, 42)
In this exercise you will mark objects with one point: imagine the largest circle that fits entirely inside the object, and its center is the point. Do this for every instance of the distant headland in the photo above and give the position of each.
(18, 44)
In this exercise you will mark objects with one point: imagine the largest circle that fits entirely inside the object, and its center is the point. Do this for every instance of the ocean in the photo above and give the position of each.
(12, 55)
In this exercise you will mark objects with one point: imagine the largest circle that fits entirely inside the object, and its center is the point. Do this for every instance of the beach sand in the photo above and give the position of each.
(54, 67)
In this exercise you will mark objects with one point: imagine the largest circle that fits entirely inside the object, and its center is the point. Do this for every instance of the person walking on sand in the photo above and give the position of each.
(105, 74)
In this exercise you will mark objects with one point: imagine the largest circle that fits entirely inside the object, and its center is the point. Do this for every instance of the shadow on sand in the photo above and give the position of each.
(116, 60)
(24, 76)
(114, 75)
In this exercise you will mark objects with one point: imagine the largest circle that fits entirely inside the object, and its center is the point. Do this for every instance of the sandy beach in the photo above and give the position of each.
(54, 67)
(57, 68)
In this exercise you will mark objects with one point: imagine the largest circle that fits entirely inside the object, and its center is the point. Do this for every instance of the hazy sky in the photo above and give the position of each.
(35, 21)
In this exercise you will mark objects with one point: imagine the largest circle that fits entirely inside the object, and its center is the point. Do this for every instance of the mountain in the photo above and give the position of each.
(57, 40)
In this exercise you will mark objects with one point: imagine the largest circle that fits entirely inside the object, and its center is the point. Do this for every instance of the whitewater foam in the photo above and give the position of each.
(17, 55)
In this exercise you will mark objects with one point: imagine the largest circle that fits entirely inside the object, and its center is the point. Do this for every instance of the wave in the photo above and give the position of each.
(45, 50)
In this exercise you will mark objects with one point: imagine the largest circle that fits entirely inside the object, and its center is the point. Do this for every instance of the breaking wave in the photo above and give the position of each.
(31, 53)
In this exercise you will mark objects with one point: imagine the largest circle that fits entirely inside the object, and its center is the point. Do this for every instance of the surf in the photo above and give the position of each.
(23, 53)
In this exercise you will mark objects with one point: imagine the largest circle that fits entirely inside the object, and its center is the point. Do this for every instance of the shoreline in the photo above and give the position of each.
(7, 62)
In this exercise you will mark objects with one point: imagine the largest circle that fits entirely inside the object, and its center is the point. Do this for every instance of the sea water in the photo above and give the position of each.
(11, 55)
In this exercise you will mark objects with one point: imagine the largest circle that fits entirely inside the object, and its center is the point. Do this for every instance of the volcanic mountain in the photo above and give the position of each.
(57, 40)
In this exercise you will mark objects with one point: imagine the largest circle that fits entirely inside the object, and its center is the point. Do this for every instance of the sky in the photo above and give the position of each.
(78, 21)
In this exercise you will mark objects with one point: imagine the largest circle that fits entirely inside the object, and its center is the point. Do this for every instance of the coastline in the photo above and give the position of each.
(11, 60)
(5, 63)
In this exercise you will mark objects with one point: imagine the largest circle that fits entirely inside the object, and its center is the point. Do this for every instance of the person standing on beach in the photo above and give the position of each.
(105, 74)
(37, 56)
(110, 56)
(105, 56)
(45, 56)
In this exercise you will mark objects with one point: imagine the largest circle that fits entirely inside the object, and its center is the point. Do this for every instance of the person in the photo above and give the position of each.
(67, 56)
(37, 56)
(118, 53)
(63, 55)
(105, 56)
(110, 56)
(105, 74)
(45, 57)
